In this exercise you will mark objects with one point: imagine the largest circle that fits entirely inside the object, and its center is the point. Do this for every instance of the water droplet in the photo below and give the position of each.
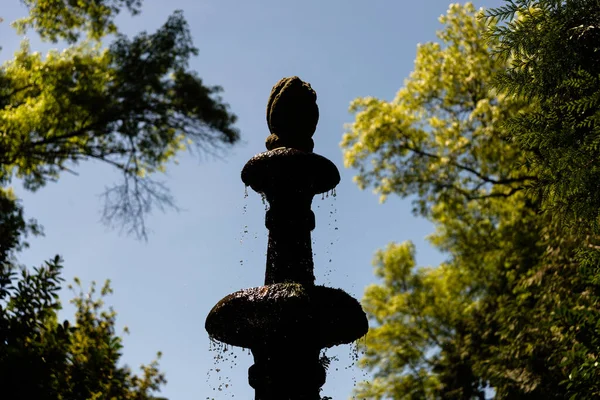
(224, 358)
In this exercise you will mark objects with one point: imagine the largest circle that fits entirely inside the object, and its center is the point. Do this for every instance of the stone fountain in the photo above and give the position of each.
(288, 321)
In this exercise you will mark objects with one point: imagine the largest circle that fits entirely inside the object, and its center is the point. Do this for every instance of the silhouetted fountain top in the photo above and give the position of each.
(290, 165)
(292, 115)
(289, 320)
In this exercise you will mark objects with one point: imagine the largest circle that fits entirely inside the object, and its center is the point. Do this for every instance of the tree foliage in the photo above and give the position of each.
(431, 138)
(68, 20)
(553, 49)
(132, 104)
(43, 358)
(511, 308)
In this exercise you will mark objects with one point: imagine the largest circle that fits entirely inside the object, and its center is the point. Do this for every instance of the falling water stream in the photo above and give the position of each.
(218, 377)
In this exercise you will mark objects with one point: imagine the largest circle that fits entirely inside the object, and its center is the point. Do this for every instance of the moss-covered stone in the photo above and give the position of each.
(287, 314)
(292, 115)
(286, 169)
(288, 321)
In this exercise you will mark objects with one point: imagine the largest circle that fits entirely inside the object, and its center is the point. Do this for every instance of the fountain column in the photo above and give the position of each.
(287, 322)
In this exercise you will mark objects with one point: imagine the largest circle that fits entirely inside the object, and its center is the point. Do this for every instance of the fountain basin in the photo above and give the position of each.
(287, 313)
(288, 169)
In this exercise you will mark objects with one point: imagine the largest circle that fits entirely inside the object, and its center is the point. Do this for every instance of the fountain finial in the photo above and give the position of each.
(292, 115)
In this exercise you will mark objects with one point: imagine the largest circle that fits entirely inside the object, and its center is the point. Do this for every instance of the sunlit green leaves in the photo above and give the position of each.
(68, 19)
(513, 307)
(430, 139)
(415, 313)
(133, 104)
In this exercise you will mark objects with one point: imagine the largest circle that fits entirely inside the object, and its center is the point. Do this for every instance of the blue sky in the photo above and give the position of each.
(165, 288)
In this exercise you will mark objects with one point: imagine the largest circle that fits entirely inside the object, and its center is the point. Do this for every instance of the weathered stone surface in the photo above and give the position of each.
(288, 321)
(292, 115)
(287, 314)
(287, 169)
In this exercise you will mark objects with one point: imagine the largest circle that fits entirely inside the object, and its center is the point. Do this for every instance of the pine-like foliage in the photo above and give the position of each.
(553, 48)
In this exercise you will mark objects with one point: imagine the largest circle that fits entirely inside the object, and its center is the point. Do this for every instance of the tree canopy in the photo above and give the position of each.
(133, 104)
(44, 358)
(431, 138)
(512, 308)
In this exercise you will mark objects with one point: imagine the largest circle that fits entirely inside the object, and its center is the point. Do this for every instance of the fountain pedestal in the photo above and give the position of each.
(273, 377)
(288, 321)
